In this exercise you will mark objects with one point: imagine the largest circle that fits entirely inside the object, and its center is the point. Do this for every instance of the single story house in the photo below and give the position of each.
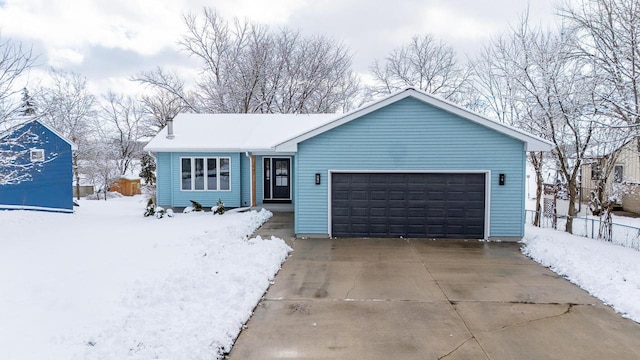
(36, 170)
(126, 185)
(408, 165)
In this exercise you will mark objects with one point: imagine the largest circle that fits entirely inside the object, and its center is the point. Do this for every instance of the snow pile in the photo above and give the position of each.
(607, 271)
(108, 283)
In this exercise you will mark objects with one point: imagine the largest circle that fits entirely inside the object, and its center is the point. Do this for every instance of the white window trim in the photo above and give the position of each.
(193, 168)
(36, 151)
(615, 178)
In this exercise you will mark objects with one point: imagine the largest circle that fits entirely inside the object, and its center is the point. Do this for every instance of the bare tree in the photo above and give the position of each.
(249, 68)
(502, 97)
(14, 61)
(425, 64)
(122, 127)
(69, 107)
(170, 93)
(609, 38)
(537, 83)
(609, 41)
(101, 166)
(555, 83)
(160, 105)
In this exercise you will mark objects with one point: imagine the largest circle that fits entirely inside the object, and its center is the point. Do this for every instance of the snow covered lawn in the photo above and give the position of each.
(607, 271)
(107, 283)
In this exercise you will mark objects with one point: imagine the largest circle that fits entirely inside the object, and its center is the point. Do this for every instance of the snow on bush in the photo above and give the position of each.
(607, 271)
(160, 212)
(100, 195)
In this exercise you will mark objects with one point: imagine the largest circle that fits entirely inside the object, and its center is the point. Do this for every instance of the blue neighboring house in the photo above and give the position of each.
(35, 168)
(410, 165)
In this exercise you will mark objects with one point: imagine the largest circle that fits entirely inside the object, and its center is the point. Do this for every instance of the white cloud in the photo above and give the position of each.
(59, 57)
(106, 38)
(447, 22)
(275, 12)
(144, 26)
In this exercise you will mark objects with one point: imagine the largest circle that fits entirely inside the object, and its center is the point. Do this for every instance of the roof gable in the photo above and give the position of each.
(532, 143)
(20, 126)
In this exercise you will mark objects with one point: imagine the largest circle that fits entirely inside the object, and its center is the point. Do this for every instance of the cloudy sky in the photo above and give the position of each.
(109, 40)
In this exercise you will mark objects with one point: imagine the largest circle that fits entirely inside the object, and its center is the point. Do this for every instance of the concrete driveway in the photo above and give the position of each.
(425, 299)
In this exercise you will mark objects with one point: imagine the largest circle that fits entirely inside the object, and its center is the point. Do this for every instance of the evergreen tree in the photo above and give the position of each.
(28, 106)
(148, 165)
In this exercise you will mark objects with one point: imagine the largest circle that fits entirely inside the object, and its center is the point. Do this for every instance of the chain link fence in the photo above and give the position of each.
(625, 235)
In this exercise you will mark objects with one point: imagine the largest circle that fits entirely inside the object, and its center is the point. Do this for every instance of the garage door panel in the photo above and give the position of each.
(417, 195)
(426, 205)
(378, 194)
(397, 212)
(359, 211)
(474, 213)
(396, 195)
(416, 213)
(341, 212)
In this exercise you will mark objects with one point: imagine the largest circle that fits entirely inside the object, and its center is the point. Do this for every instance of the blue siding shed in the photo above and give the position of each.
(36, 170)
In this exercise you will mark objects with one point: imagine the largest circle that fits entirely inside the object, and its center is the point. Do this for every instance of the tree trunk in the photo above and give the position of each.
(539, 188)
(573, 194)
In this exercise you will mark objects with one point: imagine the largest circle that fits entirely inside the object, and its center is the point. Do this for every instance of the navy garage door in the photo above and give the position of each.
(423, 205)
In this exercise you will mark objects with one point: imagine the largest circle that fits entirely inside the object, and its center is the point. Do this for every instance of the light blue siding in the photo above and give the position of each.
(411, 135)
(164, 174)
(170, 194)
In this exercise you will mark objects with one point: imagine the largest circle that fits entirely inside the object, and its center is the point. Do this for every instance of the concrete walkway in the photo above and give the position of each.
(424, 299)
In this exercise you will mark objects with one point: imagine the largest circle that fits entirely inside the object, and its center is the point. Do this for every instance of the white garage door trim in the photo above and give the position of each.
(487, 196)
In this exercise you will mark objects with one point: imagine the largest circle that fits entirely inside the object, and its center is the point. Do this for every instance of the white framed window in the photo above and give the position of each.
(205, 173)
(37, 155)
(618, 173)
(596, 171)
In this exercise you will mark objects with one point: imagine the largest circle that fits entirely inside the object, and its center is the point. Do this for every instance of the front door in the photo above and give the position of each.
(277, 179)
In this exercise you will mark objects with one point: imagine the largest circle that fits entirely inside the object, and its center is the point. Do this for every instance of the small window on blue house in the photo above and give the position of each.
(212, 174)
(225, 181)
(37, 155)
(186, 173)
(199, 174)
(205, 174)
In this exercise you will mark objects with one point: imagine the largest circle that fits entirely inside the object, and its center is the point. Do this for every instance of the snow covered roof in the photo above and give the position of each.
(129, 177)
(533, 143)
(234, 132)
(283, 132)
